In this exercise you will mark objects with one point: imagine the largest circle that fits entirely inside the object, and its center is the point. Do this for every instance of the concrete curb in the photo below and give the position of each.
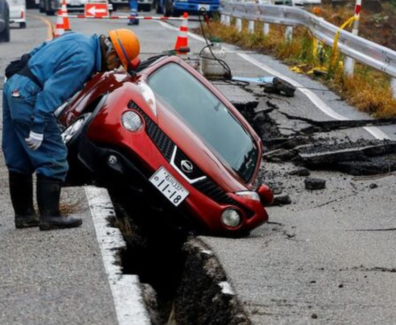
(126, 290)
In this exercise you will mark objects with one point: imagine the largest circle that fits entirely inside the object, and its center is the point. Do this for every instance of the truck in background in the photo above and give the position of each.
(178, 7)
(50, 7)
(143, 5)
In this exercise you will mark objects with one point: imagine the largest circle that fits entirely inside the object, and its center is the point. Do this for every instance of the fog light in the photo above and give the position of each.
(132, 121)
(231, 218)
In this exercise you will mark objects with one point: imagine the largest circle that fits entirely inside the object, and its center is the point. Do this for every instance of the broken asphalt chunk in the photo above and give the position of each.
(314, 183)
(281, 154)
(280, 200)
(300, 172)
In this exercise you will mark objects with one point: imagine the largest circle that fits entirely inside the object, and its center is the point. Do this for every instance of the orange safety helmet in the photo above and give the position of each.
(126, 45)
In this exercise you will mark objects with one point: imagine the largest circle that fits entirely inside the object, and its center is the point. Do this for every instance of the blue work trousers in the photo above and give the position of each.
(50, 159)
(133, 6)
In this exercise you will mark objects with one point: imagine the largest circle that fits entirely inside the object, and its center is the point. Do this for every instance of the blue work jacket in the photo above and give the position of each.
(62, 66)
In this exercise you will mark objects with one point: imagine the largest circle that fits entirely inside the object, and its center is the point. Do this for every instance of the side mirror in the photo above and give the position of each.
(265, 194)
(133, 65)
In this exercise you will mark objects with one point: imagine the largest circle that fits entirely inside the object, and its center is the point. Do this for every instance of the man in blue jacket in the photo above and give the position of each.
(32, 141)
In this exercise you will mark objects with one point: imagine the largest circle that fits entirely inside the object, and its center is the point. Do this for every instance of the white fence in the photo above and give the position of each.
(355, 47)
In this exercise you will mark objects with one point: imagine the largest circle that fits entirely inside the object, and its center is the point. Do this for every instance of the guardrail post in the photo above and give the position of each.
(393, 87)
(349, 66)
(349, 63)
(289, 33)
(251, 27)
(266, 29)
(239, 24)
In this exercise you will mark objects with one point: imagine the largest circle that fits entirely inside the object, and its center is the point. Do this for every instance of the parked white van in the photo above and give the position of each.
(18, 12)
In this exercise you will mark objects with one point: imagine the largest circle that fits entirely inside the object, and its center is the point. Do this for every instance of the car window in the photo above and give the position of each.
(206, 115)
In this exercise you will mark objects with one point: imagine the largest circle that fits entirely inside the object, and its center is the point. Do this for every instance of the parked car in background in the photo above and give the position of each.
(4, 21)
(18, 12)
(178, 7)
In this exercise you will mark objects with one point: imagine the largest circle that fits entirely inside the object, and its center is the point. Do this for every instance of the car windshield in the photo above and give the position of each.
(207, 116)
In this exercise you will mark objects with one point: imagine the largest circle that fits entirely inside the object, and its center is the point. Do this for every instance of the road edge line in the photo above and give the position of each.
(125, 289)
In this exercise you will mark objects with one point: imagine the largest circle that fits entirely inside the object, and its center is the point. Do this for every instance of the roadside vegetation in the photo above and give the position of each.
(368, 90)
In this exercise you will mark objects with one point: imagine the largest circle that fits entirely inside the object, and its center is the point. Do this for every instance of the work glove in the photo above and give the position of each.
(34, 141)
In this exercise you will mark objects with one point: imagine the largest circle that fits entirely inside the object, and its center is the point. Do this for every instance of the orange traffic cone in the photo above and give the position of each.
(59, 29)
(66, 24)
(182, 38)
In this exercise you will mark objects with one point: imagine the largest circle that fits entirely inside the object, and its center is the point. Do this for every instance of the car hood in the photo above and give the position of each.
(198, 151)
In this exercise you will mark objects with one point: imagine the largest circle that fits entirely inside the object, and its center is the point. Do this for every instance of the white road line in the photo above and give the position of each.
(374, 131)
(125, 289)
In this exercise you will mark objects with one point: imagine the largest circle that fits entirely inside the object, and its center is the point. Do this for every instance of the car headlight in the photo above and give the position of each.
(231, 218)
(132, 121)
(249, 195)
(148, 96)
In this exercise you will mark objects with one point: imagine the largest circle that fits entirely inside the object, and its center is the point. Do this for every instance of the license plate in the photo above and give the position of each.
(168, 186)
(206, 7)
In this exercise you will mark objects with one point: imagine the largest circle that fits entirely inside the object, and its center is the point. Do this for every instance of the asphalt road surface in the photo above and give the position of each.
(326, 258)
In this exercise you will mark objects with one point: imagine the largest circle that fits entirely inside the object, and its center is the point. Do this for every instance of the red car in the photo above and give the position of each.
(169, 133)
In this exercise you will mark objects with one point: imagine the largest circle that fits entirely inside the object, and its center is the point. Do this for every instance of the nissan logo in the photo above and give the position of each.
(186, 166)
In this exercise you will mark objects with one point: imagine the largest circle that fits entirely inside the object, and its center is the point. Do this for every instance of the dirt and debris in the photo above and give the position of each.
(203, 297)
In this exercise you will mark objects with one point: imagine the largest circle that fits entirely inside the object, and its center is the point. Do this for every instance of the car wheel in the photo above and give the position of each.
(147, 7)
(22, 25)
(5, 34)
(168, 8)
(71, 135)
(159, 9)
(50, 13)
(176, 13)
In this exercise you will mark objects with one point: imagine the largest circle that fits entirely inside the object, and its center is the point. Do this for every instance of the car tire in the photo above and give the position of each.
(168, 8)
(50, 13)
(22, 25)
(5, 34)
(146, 7)
(176, 13)
(73, 137)
(159, 10)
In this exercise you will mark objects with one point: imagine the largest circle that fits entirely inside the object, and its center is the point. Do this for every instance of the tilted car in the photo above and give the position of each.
(169, 133)
(4, 21)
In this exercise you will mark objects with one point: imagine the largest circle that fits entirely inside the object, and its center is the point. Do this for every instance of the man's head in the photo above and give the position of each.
(121, 47)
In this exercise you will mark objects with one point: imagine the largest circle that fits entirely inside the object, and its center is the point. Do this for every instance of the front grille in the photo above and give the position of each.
(196, 172)
(161, 140)
(213, 191)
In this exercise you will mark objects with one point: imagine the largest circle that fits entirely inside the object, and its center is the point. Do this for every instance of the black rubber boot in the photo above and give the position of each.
(48, 197)
(21, 191)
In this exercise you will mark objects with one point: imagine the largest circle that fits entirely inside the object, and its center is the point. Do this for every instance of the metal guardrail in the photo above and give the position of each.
(358, 48)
